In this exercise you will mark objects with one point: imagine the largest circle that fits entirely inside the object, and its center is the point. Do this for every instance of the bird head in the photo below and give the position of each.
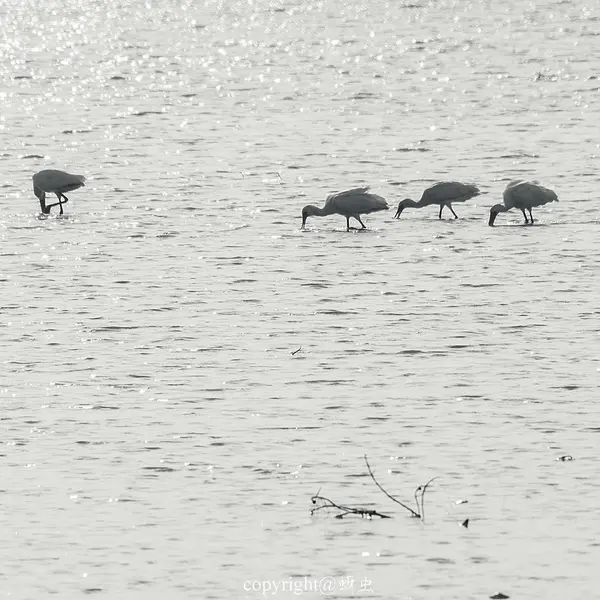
(307, 211)
(494, 213)
(304, 217)
(41, 197)
(401, 207)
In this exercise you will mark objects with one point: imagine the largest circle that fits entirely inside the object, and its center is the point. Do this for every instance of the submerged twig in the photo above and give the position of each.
(346, 510)
(296, 351)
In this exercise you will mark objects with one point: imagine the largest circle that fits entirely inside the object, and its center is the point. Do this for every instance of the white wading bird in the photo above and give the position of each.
(523, 195)
(351, 203)
(51, 181)
(444, 194)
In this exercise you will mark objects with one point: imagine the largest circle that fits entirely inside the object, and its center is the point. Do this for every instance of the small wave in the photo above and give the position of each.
(160, 469)
(143, 113)
(520, 155)
(411, 149)
(115, 328)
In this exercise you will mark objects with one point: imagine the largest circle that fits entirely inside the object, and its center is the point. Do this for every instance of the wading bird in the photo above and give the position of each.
(523, 195)
(351, 203)
(444, 194)
(51, 181)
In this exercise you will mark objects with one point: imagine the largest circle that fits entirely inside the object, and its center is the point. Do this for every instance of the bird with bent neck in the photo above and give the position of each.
(351, 203)
(55, 182)
(443, 193)
(523, 195)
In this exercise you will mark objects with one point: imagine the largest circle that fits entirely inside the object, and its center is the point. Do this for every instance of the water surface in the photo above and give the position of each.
(183, 368)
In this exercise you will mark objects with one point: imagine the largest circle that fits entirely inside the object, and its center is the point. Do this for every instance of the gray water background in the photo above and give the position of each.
(159, 438)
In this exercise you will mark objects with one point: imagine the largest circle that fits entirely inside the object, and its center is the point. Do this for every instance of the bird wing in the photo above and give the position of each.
(472, 190)
(527, 194)
(340, 199)
(443, 190)
(514, 182)
(72, 182)
(356, 201)
(449, 191)
(346, 194)
(57, 181)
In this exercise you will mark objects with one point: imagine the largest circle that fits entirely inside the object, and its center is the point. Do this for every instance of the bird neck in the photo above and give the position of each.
(322, 212)
(409, 203)
(42, 198)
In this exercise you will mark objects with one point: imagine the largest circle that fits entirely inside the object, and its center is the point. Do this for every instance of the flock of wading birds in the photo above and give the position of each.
(520, 194)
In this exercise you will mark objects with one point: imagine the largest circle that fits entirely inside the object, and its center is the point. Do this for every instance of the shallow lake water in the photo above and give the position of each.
(183, 368)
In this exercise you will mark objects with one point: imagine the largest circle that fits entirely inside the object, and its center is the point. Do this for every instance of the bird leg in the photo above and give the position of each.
(450, 207)
(348, 228)
(525, 215)
(530, 215)
(441, 209)
(59, 203)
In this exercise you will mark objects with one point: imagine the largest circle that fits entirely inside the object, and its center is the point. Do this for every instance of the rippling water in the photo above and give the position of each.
(183, 368)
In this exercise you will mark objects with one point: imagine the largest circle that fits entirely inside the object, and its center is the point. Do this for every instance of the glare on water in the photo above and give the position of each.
(184, 368)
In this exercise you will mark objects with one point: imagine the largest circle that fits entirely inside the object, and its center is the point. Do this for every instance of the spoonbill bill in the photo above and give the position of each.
(351, 203)
(523, 195)
(443, 193)
(56, 182)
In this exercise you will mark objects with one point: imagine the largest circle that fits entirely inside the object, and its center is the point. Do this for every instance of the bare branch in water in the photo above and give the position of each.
(416, 497)
(346, 510)
(423, 489)
(327, 503)
(412, 512)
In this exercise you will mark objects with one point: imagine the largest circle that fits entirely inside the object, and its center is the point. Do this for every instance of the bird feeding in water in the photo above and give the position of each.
(351, 203)
(443, 193)
(51, 181)
(523, 195)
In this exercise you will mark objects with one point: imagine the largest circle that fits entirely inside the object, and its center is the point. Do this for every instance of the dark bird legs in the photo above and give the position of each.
(525, 215)
(46, 208)
(451, 209)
